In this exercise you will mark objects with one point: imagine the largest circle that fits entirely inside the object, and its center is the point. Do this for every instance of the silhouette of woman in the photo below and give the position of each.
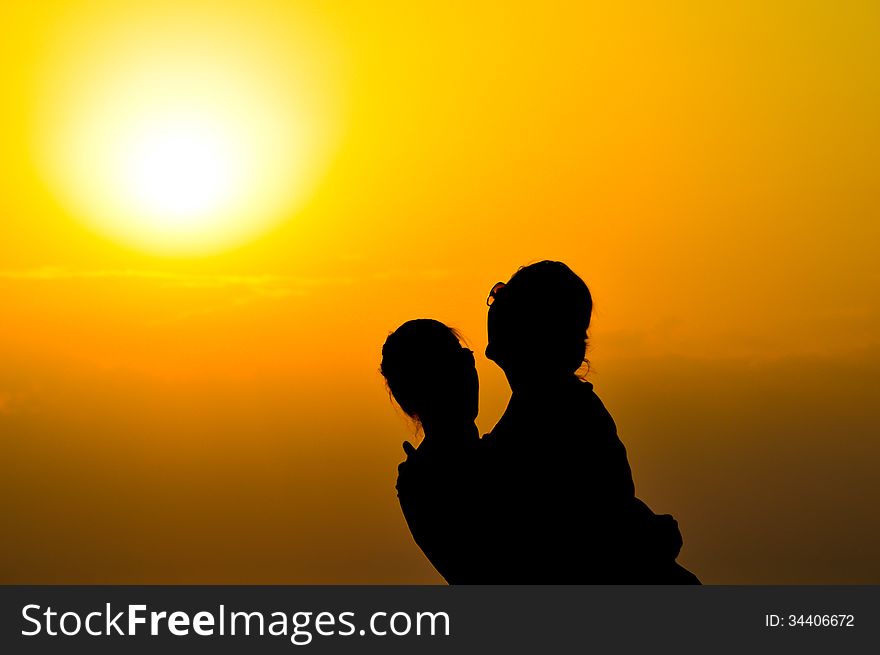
(433, 379)
(569, 495)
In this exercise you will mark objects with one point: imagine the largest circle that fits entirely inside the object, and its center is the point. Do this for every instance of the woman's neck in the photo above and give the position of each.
(539, 383)
(450, 432)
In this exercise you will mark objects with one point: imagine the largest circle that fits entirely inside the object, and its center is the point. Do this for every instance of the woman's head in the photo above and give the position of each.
(429, 373)
(538, 321)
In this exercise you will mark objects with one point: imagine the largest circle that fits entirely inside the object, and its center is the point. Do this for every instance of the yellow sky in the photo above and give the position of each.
(711, 172)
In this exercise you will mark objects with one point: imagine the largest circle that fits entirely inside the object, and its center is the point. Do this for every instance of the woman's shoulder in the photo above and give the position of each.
(588, 397)
(417, 469)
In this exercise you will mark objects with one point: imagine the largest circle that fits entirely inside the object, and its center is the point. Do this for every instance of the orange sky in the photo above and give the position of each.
(712, 174)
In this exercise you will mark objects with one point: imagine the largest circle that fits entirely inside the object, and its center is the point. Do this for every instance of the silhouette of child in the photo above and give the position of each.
(434, 381)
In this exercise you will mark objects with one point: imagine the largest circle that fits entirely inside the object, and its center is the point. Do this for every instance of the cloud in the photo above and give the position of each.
(244, 289)
(241, 289)
(272, 285)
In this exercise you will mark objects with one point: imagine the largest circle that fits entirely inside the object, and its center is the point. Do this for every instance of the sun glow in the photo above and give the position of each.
(181, 172)
(182, 137)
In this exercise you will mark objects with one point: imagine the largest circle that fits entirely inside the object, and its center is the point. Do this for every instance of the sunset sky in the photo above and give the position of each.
(189, 387)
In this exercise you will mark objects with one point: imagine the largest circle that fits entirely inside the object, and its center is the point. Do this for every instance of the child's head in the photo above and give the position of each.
(538, 321)
(430, 374)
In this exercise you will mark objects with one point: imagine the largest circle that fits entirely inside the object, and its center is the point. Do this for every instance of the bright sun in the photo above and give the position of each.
(182, 136)
(180, 172)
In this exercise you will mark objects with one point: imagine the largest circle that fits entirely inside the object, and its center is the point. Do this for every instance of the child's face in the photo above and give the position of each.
(470, 385)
